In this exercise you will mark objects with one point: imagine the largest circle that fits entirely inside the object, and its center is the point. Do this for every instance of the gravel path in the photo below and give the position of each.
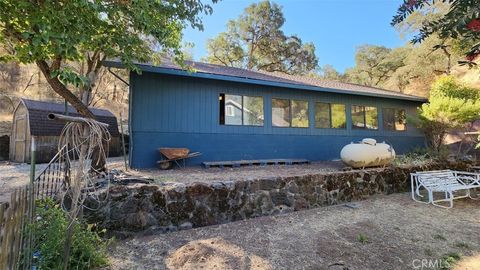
(384, 232)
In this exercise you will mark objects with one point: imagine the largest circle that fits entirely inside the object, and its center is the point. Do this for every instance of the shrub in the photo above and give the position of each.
(88, 250)
(422, 156)
(362, 238)
(451, 105)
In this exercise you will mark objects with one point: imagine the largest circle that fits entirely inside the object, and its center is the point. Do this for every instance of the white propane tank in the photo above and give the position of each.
(367, 153)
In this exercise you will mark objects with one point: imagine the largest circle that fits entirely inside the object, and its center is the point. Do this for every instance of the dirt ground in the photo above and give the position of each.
(13, 175)
(200, 174)
(384, 232)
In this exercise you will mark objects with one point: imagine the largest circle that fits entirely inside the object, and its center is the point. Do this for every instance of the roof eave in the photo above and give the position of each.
(179, 72)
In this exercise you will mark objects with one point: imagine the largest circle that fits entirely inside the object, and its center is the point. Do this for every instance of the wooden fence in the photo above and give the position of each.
(16, 240)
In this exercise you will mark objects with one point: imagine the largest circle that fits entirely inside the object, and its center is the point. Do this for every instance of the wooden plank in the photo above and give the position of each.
(262, 162)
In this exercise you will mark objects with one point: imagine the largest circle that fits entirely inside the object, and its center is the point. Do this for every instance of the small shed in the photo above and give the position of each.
(30, 119)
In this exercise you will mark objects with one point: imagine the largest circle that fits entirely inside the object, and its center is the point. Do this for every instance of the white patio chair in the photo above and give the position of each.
(444, 181)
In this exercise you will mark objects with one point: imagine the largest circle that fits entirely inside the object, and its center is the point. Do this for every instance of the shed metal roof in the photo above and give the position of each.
(40, 125)
(218, 72)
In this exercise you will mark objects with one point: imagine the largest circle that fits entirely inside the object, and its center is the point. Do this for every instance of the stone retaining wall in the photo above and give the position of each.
(142, 207)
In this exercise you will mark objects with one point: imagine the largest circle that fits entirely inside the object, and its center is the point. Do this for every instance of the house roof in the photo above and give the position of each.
(40, 125)
(218, 72)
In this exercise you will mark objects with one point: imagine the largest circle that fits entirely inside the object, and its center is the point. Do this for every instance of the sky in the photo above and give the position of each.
(336, 27)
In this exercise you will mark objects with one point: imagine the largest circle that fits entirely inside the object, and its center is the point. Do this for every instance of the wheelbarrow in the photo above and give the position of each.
(177, 156)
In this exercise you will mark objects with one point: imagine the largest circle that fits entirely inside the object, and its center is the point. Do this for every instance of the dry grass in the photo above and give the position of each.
(397, 231)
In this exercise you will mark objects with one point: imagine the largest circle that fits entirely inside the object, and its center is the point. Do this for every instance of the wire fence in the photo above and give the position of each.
(16, 240)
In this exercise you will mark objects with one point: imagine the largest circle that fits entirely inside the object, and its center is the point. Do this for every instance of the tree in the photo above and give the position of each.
(374, 65)
(255, 41)
(451, 105)
(461, 23)
(421, 65)
(328, 72)
(53, 34)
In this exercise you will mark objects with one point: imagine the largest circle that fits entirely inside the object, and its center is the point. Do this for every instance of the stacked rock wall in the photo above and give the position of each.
(181, 206)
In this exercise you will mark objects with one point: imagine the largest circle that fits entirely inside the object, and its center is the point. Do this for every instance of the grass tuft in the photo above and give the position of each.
(449, 260)
(461, 244)
(439, 237)
(362, 238)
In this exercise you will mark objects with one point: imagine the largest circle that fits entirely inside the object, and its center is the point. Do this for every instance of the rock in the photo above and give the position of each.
(175, 206)
(280, 198)
(185, 226)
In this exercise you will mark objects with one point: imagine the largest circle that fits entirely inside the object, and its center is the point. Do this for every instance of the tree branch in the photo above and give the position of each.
(62, 90)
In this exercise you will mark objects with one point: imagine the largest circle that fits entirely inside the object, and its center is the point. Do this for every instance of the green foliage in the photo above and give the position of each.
(255, 41)
(451, 87)
(461, 23)
(374, 65)
(53, 33)
(362, 238)
(328, 72)
(449, 260)
(451, 105)
(88, 250)
(413, 66)
(43, 30)
(69, 76)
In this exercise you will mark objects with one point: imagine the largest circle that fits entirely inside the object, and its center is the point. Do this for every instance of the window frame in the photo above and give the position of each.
(330, 124)
(290, 112)
(364, 117)
(224, 111)
(395, 109)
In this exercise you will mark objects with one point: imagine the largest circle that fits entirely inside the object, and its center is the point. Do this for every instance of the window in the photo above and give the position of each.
(299, 113)
(330, 115)
(253, 111)
(280, 112)
(241, 110)
(289, 113)
(364, 117)
(394, 119)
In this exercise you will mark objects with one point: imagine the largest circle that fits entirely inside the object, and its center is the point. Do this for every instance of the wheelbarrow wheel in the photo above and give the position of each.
(165, 165)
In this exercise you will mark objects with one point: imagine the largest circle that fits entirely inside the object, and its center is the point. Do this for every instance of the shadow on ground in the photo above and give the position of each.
(385, 232)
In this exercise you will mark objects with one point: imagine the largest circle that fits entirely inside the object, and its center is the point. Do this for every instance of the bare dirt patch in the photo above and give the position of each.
(214, 253)
(385, 232)
(15, 175)
(200, 174)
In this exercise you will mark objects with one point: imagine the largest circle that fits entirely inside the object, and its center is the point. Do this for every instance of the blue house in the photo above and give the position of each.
(229, 113)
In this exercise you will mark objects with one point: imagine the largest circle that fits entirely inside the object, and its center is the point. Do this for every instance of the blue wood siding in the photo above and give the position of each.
(177, 111)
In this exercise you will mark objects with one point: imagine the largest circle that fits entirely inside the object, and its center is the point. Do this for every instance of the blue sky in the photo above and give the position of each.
(336, 27)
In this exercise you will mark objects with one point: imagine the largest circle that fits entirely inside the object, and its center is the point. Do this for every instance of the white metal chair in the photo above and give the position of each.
(444, 181)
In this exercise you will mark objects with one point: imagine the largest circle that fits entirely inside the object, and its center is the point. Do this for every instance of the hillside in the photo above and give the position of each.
(25, 81)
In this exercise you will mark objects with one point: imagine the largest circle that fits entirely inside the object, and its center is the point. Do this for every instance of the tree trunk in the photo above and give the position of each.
(60, 89)
(99, 163)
